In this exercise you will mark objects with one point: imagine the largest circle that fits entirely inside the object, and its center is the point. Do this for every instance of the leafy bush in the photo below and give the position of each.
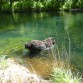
(80, 4)
(5, 7)
(16, 5)
(38, 6)
(27, 5)
(21, 6)
(67, 5)
(51, 4)
(72, 4)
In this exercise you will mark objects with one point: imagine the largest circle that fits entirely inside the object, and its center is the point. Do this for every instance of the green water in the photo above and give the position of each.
(67, 28)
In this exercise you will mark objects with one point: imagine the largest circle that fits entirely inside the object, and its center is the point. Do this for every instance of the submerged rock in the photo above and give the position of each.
(36, 46)
(15, 73)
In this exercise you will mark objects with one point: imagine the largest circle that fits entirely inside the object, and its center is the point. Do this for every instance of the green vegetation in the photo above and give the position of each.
(5, 7)
(65, 76)
(39, 5)
(3, 63)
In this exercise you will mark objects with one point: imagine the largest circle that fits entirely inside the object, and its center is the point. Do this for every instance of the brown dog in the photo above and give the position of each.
(36, 46)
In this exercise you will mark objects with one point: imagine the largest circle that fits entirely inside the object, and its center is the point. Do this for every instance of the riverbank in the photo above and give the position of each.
(41, 5)
(12, 72)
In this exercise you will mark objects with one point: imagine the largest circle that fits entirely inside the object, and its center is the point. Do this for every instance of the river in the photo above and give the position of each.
(66, 28)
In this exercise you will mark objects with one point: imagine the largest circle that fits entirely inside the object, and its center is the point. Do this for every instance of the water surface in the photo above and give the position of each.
(66, 28)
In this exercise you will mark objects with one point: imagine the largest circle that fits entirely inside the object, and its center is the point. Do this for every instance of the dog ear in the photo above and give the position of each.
(53, 40)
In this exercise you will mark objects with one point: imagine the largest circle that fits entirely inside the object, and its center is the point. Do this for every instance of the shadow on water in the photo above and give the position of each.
(17, 29)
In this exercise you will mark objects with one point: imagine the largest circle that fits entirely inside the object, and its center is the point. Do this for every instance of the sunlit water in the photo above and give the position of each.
(66, 28)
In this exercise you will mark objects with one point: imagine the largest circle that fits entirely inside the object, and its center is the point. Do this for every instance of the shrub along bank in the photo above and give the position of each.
(39, 5)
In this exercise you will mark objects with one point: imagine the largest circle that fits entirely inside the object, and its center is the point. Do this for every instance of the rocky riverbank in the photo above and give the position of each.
(12, 72)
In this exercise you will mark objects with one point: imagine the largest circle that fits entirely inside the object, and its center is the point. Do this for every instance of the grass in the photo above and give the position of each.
(65, 76)
(3, 64)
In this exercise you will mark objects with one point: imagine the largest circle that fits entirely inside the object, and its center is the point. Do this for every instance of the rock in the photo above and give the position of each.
(15, 73)
(36, 46)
